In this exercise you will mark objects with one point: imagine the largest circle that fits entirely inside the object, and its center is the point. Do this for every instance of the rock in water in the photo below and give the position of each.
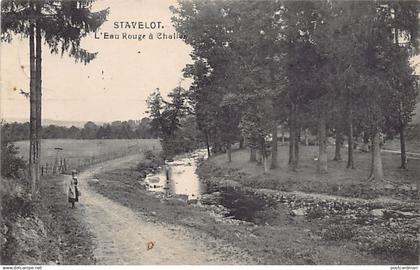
(377, 212)
(389, 186)
(404, 188)
(298, 212)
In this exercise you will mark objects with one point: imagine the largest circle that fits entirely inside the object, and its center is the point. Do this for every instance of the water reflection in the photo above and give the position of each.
(179, 177)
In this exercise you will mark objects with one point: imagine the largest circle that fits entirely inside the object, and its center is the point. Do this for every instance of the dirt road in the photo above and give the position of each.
(122, 236)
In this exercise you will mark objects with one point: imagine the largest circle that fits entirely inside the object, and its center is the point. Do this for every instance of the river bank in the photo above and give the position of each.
(267, 227)
(45, 230)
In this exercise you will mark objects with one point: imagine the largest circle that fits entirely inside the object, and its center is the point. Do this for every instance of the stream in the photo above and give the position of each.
(182, 177)
(185, 183)
(248, 205)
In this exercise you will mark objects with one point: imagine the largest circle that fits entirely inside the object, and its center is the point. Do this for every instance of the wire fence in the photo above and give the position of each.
(66, 165)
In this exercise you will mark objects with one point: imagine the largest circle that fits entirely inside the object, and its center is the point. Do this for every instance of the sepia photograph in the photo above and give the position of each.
(210, 133)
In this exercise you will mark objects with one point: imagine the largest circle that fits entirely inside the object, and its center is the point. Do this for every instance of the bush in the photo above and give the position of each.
(315, 212)
(11, 165)
(337, 232)
(15, 199)
(396, 246)
(151, 161)
(144, 165)
(148, 154)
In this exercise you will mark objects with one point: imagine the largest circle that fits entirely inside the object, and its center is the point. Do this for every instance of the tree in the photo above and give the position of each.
(62, 24)
(89, 130)
(302, 61)
(402, 101)
(166, 117)
(234, 51)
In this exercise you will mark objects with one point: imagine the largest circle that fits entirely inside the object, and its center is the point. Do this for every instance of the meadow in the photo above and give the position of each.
(79, 153)
(338, 181)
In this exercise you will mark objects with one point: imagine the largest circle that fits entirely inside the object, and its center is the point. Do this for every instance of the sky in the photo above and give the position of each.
(115, 85)
(112, 87)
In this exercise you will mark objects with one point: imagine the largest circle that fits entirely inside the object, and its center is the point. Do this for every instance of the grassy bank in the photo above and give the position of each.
(68, 231)
(42, 230)
(274, 237)
(384, 228)
(339, 180)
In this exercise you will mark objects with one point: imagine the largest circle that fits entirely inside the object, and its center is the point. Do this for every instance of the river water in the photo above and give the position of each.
(183, 179)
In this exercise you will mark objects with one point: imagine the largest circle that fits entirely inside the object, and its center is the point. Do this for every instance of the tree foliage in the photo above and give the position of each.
(340, 64)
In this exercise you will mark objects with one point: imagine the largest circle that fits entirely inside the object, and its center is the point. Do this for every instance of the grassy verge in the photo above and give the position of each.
(339, 180)
(41, 231)
(385, 231)
(67, 230)
(277, 238)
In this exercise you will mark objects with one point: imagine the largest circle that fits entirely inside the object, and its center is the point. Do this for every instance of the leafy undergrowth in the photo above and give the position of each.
(68, 232)
(41, 231)
(25, 234)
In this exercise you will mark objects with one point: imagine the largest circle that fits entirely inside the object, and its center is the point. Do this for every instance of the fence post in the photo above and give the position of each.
(65, 165)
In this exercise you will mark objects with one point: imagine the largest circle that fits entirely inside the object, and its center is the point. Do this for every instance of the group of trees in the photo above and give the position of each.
(59, 24)
(172, 122)
(116, 130)
(338, 67)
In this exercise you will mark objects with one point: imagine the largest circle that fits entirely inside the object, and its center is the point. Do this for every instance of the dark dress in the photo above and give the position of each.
(76, 188)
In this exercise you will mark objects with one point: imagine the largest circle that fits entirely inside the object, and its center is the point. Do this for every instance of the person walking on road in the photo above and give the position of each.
(72, 189)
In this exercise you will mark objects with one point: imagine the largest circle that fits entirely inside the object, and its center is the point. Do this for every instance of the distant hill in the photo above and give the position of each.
(47, 122)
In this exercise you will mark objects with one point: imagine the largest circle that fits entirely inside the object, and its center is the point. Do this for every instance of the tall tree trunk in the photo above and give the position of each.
(241, 142)
(322, 141)
(282, 135)
(338, 142)
(208, 145)
(293, 139)
(266, 163)
(296, 147)
(229, 151)
(350, 150)
(264, 155)
(403, 150)
(259, 156)
(291, 136)
(291, 145)
(274, 147)
(306, 137)
(33, 157)
(365, 147)
(376, 165)
(253, 154)
(38, 69)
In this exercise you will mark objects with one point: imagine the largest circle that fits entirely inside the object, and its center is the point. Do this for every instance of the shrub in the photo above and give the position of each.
(148, 154)
(11, 165)
(396, 246)
(315, 212)
(337, 232)
(144, 165)
(151, 161)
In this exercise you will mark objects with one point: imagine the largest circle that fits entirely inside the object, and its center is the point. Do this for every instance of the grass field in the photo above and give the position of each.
(308, 179)
(80, 152)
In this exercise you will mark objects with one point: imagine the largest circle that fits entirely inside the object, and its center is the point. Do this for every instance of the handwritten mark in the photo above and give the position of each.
(150, 245)
(26, 94)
